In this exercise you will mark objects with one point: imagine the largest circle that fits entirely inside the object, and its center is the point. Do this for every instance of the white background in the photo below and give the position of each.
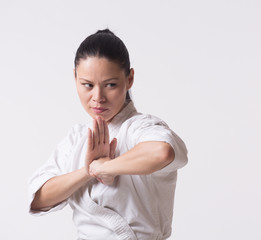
(197, 66)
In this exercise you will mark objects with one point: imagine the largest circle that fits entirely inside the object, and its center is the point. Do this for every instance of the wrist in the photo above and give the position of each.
(85, 174)
(107, 168)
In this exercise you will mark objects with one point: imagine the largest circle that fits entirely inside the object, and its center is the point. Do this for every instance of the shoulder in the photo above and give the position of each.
(141, 120)
(146, 127)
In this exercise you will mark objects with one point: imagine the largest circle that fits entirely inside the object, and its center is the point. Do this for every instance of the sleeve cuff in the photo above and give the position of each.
(35, 185)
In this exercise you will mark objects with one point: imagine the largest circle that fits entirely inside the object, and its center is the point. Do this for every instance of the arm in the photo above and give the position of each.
(144, 158)
(59, 188)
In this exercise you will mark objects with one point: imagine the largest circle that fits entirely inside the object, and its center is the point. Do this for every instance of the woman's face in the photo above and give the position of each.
(102, 86)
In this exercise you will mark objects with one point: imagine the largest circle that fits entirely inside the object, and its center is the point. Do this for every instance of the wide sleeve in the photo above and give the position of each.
(58, 163)
(151, 128)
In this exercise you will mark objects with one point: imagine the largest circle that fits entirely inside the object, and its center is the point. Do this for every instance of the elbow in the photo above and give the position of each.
(36, 204)
(166, 154)
(38, 207)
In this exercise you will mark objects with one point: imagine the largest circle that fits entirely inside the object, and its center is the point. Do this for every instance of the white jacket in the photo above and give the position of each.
(135, 206)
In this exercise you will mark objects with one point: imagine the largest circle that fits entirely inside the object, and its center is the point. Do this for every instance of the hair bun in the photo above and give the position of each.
(105, 31)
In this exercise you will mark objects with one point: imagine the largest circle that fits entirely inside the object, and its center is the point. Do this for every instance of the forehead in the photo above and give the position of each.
(98, 67)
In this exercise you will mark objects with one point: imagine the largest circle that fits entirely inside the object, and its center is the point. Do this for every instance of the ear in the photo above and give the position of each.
(130, 79)
(74, 74)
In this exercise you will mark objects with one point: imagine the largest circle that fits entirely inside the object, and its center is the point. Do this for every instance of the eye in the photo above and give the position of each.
(111, 85)
(88, 85)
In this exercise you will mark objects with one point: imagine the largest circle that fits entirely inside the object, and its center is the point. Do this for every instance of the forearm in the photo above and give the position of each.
(144, 158)
(59, 188)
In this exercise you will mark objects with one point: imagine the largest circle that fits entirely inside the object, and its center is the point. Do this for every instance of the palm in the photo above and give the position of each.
(98, 142)
(99, 151)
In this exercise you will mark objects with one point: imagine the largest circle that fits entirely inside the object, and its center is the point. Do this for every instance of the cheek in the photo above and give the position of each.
(118, 96)
(121, 91)
(83, 94)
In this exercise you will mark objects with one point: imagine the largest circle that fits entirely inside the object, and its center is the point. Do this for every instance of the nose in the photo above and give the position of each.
(98, 95)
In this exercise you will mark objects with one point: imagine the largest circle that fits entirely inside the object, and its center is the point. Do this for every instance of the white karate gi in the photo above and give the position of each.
(135, 206)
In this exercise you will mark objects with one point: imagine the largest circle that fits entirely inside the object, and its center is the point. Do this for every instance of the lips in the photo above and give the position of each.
(99, 109)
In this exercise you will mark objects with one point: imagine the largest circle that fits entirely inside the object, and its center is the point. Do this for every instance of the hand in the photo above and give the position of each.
(97, 170)
(98, 142)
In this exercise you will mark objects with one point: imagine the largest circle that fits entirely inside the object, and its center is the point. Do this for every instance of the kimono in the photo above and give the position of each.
(135, 206)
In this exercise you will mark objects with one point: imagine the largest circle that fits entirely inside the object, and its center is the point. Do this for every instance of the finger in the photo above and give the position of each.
(93, 175)
(101, 130)
(106, 132)
(113, 146)
(90, 140)
(99, 179)
(95, 133)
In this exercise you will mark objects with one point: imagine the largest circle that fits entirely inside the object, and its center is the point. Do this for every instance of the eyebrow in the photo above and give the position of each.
(106, 80)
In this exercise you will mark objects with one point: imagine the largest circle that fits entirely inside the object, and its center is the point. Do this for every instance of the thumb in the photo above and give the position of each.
(113, 145)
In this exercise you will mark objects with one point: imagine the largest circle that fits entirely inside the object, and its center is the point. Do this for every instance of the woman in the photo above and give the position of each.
(118, 173)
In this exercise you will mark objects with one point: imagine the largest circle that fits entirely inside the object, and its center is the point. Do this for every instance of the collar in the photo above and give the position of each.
(128, 111)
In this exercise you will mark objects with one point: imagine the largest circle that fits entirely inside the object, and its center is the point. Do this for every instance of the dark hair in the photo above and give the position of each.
(104, 43)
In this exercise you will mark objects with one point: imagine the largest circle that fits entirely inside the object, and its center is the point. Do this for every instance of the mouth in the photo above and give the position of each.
(99, 110)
